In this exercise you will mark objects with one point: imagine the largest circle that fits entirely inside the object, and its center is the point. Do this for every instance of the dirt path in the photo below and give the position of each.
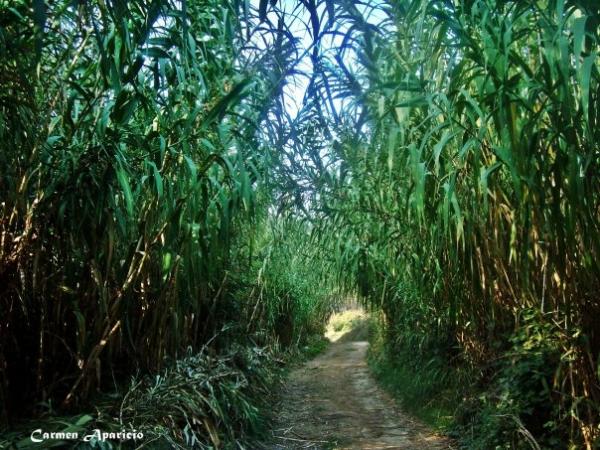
(332, 402)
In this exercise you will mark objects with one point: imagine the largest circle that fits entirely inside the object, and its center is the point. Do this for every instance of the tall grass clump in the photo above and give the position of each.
(462, 200)
(129, 169)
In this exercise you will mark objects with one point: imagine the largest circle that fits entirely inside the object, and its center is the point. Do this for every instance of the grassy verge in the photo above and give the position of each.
(314, 346)
(429, 390)
(201, 401)
(511, 405)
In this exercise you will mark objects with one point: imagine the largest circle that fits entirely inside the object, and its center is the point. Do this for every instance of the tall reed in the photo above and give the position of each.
(463, 191)
(127, 174)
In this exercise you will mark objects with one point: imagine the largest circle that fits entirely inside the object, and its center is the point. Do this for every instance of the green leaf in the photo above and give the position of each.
(192, 166)
(420, 100)
(124, 107)
(157, 179)
(586, 74)
(155, 52)
(217, 112)
(126, 189)
(578, 38)
(437, 150)
(39, 16)
(262, 10)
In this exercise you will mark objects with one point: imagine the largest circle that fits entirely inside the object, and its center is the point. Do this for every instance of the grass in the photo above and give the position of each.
(314, 347)
(427, 391)
(407, 386)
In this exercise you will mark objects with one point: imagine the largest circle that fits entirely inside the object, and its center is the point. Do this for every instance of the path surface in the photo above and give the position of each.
(332, 402)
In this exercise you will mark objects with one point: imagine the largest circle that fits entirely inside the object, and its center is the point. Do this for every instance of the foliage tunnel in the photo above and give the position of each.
(172, 171)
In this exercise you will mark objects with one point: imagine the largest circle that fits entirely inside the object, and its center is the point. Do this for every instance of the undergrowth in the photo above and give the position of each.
(426, 388)
(315, 345)
(518, 406)
(511, 402)
(202, 401)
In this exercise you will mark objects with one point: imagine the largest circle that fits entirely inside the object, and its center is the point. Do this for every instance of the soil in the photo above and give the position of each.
(332, 402)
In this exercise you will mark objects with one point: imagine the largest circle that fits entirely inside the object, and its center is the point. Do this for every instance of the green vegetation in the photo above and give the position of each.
(430, 390)
(315, 346)
(134, 221)
(466, 207)
(163, 204)
(198, 401)
(346, 320)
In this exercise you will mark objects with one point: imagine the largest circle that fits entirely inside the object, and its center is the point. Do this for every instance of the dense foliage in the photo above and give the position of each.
(464, 198)
(131, 223)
